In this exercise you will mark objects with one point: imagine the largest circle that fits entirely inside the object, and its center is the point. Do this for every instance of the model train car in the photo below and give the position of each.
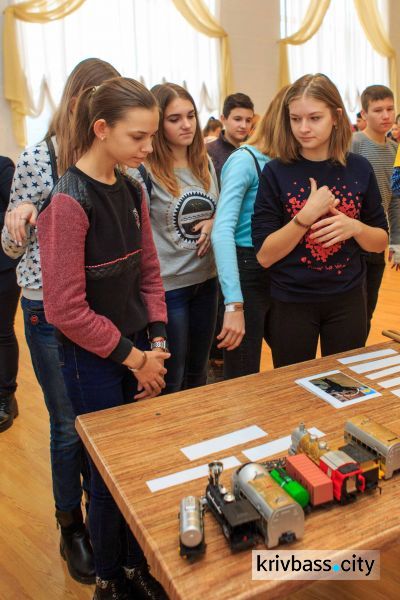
(304, 441)
(237, 517)
(295, 489)
(345, 473)
(369, 464)
(191, 528)
(381, 441)
(282, 518)
(306, 472)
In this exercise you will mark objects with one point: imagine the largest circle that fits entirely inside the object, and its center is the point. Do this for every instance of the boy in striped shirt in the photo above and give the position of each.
(378, 111)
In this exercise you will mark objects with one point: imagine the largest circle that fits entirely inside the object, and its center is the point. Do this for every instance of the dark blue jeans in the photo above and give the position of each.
(68, 459)
(255, 285)
(192, 312)
(9, 294)
(93, 384)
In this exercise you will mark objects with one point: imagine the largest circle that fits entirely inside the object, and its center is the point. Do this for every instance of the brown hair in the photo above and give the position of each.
(262, 137)
(237, 100)
(87, 73)
(372, 93)
(321, 88)
(212, 125)
(108, 101)
(161, 159)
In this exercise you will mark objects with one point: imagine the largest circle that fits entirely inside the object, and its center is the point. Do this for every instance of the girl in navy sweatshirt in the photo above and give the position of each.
(317, 208)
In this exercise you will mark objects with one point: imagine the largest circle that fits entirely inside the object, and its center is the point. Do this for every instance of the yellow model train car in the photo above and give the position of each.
(376, 438)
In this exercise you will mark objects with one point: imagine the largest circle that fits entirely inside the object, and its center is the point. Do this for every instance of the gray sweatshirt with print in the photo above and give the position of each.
(172, 221)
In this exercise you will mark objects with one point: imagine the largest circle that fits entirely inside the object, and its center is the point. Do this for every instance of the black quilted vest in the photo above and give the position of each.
(112, 247)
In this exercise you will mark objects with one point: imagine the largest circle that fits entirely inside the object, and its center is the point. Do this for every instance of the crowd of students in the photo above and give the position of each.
(129, 207)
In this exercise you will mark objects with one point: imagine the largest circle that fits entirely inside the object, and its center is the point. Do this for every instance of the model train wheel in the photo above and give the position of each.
(226, 532)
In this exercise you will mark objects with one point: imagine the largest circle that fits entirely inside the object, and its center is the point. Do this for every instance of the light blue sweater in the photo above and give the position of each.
(232, 227)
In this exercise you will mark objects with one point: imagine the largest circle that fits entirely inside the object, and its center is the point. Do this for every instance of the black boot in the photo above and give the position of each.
(8, 411)
(111, 589)
(75, 545)
(142, 585)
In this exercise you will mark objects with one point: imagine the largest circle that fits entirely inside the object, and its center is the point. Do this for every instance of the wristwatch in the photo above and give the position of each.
(234, 307)
(159, 344)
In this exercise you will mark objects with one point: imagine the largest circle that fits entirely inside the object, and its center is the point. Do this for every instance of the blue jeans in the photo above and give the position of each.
(66, 450)
(192, 313)
(93, 384)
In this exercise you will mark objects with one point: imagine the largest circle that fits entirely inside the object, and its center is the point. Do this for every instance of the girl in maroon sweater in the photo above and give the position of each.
(101, 287)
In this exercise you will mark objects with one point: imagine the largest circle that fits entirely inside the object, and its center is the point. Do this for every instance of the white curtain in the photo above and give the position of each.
(145, 39)
(339, 49)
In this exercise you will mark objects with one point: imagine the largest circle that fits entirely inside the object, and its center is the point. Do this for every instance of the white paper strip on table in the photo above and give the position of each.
(271, 448)
(384, 373)
(376, 364)
(222, 442)
(396, 392)
(366, 356)
(161, 483)
(388, 383)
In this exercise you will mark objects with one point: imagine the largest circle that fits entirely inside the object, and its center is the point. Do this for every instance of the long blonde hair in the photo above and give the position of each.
(88, 73)
(321, 88)
(161, 160)
(263, 135)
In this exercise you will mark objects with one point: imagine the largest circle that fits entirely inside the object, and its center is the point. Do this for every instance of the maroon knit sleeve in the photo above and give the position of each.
(151, 287)
(62, 229)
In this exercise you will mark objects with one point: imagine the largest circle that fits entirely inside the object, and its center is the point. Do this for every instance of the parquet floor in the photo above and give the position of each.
(30, 564)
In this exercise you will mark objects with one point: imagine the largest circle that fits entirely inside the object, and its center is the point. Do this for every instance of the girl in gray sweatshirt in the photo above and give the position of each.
(184, 193)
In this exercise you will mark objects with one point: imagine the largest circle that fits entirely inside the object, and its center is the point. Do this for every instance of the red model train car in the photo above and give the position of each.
(345, 473)
(306, 472)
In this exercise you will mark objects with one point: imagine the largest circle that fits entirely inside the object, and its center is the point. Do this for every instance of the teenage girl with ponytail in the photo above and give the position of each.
(37, 171)
(102, 286)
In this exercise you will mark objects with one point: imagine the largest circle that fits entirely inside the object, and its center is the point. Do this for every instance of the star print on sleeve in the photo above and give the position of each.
(32, 182)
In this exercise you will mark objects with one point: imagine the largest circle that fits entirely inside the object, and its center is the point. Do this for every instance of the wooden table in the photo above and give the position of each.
(133, 444)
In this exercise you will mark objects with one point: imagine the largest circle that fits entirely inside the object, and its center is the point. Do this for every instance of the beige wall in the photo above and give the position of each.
(253, 27)
(394, 34)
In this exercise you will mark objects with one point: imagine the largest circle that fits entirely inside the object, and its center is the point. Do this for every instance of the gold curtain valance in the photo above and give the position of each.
(372, 24)
(198, 15)
(16, 89)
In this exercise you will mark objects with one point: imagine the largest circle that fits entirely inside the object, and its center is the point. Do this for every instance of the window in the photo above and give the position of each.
(339, 49)
(148, 40)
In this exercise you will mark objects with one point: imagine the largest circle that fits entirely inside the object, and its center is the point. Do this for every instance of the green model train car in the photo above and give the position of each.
(292, 487)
